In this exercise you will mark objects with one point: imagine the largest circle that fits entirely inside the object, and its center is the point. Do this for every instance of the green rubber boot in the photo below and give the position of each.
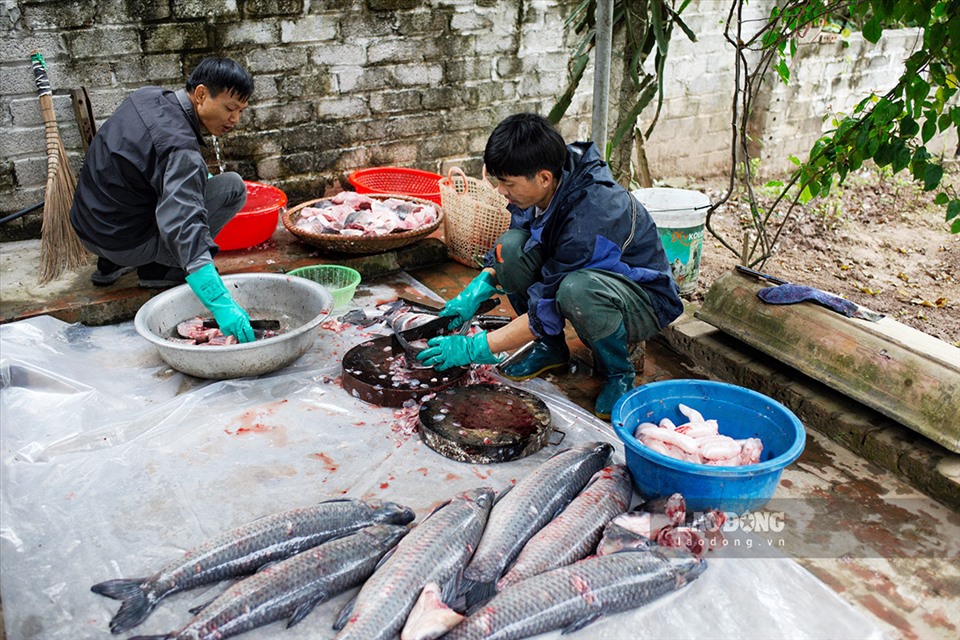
(549, 352)
(612, 357)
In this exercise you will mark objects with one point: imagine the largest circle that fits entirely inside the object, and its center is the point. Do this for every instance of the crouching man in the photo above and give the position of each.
(580, 249)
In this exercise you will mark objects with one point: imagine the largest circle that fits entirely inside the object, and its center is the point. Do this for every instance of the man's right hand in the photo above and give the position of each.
(465, 305)
(232, 319)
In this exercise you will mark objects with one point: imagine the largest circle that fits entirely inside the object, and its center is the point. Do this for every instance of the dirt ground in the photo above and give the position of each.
(876, 240)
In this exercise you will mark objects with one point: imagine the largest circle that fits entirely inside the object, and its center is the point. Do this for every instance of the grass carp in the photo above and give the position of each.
(243, 550)
(574, 533)
(291, 588)
(434, 551)
(572, 597)
(523, 510)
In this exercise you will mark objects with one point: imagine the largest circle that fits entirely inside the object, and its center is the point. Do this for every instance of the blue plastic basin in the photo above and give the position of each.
(741, 413)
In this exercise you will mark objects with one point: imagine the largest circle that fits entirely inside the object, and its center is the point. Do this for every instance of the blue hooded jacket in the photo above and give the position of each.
(592, 222)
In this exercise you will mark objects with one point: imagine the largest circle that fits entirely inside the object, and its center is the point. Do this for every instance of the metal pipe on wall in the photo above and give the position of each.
(601, 73)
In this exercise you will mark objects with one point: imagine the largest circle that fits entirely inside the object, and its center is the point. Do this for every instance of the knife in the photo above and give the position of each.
(437, 326)
(256, 325)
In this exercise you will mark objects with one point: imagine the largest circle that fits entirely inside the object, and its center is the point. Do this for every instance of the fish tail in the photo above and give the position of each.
(474, 594)
(134, 607)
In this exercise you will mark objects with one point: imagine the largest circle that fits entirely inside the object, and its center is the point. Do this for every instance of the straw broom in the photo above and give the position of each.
(60, 247)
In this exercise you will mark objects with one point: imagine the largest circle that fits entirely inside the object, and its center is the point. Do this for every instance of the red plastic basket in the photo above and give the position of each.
(409, 182)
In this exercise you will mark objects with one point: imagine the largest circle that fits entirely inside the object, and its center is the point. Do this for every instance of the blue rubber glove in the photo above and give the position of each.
(464, 306)
(207, 285)
(444, 352)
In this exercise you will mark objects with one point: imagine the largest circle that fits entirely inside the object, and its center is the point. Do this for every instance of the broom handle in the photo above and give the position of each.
(40, 74)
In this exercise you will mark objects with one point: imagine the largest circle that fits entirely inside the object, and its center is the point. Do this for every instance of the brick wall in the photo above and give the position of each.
(339, 85)
(356, 83)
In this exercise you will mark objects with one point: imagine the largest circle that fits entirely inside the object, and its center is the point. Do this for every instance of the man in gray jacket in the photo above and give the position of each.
(144, 199)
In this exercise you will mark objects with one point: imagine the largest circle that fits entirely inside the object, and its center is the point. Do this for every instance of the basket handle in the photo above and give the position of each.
(462, 175)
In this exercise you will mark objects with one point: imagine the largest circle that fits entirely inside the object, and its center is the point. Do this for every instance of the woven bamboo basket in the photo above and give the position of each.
(361, 244)
(476, 215)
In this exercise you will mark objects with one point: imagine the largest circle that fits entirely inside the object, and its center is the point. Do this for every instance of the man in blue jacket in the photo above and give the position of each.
(144, 200)
(580, 248)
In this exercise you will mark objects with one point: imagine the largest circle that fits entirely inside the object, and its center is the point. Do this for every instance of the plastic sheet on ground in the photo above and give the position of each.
(114, 464)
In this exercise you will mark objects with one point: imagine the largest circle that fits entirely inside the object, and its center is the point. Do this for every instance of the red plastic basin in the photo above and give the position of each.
(256, 222)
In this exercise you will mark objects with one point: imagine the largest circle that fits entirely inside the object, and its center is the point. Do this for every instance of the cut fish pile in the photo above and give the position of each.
(664, 522)
(199, 331)
(523, 564)
(354, 214)
(698, 441)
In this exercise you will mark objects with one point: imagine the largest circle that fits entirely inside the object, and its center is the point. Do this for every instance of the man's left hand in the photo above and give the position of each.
(444, 352)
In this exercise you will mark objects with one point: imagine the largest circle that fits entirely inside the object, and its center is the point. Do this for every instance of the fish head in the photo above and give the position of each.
(386, 536)
(393, 513)
(683, 560)
(482, 496)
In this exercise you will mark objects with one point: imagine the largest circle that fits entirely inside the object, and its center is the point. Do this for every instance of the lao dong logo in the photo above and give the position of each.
(754, 522)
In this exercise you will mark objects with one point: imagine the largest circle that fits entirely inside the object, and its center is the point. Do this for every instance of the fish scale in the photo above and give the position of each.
(573, 596)
(574, 533)
(243, 550)
(434, 551)
(524, 510)
(291, 588)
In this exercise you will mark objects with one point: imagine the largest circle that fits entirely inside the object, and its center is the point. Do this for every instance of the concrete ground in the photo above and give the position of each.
(871, 508)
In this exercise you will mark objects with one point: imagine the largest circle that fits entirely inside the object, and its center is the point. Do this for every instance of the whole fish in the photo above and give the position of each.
(434, 551)
(291, 588)
(523, 510)
(572, 597)
(244, 550)
(574, 533)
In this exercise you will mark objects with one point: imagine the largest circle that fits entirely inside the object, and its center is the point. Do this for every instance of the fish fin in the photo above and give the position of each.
(301, 612)
(476, 594)
(345, 614)
(503, 493)
(437, 508)
(134, 607)
(580, 623)
(200, 607)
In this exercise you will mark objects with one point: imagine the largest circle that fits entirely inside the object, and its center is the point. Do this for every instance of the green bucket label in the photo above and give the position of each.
(683, 248)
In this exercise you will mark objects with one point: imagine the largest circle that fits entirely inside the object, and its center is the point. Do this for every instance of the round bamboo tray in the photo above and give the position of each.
(361, 244)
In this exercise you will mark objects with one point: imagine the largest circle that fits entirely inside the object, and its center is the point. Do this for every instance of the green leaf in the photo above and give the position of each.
(794, 159)
(909, 127)
(872, 30)
(779, 183)
(901, 156)
(929, 129)
(884, 154)
(941, 199)
(931, 177)
(953, 210)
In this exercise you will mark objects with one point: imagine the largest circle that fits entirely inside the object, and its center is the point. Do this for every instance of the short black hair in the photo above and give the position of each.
(522, 145)
(222, 74)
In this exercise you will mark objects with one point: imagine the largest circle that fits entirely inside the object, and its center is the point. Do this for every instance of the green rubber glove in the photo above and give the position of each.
(444, 352)
(207, 285)
(465, 305)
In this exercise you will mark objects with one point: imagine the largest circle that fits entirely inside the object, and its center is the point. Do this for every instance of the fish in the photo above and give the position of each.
(291, 588)
(523, 510)
(574, 596)
(430, 617)
(243, 550)
(434, 551)
(574, 533)
(664, 522)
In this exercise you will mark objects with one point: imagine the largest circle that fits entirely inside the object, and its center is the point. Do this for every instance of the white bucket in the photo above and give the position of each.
(679, 215)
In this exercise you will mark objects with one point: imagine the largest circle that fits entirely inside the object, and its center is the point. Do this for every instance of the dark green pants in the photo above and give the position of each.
(594, 301)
